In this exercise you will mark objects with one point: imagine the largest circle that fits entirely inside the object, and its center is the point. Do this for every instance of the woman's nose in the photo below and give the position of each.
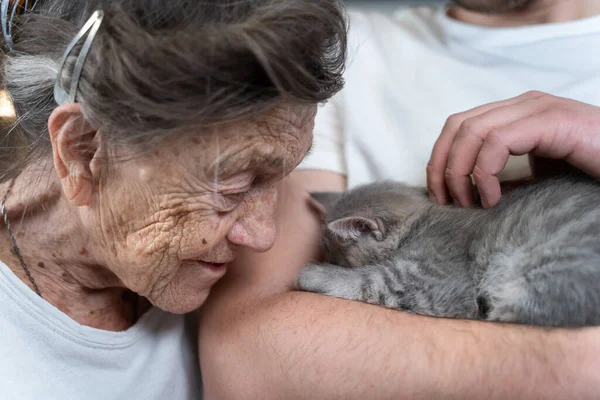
(255, 228)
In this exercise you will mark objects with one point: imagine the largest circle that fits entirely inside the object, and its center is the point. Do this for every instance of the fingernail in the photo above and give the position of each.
(484, 202)
(432, 198)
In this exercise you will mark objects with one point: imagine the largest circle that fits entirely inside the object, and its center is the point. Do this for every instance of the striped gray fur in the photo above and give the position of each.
(532, 259)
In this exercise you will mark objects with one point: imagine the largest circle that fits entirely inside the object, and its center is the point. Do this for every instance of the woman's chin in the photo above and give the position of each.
(191, 287)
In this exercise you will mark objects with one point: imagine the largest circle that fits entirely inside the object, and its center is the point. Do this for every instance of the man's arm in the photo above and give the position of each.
(258, 340)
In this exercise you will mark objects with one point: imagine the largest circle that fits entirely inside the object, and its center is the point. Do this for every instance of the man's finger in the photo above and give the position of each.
(519, 138)
(470, 139)
(436, 167)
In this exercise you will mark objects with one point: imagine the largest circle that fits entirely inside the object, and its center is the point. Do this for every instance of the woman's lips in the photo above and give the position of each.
(215, 268)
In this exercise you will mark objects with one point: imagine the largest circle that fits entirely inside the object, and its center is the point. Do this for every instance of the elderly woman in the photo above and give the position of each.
(148, 141)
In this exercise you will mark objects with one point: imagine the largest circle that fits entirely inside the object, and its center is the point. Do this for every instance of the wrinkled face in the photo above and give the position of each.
(493, 6)
(170, 221)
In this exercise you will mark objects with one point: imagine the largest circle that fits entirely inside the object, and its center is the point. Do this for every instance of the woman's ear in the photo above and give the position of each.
(74, 146)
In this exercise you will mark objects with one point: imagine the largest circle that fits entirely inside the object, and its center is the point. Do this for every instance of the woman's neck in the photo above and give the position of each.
(61, 259)
(540, 12)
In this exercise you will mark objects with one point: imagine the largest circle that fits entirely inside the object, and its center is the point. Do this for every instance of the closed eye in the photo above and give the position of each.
(225, 203)
(229, 199)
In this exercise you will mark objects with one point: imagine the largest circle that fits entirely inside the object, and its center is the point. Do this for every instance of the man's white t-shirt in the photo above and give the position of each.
(46, 355)
(409, 71)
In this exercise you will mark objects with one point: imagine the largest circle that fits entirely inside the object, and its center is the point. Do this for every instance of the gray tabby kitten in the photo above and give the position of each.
(532, 259)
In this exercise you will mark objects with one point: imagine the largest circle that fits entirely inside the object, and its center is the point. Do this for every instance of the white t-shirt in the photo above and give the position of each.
(46, 355)
(409, 71)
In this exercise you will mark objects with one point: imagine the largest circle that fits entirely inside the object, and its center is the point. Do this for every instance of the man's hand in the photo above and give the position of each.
(480, 141)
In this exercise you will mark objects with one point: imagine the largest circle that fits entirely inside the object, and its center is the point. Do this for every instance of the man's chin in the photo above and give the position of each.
(493, 6)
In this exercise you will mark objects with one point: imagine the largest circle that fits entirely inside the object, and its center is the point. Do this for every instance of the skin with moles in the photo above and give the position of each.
(159, 224)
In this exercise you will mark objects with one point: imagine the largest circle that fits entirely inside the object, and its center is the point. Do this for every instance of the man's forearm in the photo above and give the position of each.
(260, 341)
(305, 346)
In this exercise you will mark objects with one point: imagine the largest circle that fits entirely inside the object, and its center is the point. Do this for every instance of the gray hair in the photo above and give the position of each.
(158, 66)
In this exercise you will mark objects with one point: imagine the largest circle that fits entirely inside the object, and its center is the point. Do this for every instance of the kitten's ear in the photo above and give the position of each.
(351, 228)
(323, 202)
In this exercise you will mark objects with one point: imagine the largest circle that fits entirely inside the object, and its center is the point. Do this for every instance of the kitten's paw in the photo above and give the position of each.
(330, 280)
(313, 278)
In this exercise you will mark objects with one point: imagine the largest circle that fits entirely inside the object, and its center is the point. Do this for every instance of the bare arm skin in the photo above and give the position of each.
(259, 340)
